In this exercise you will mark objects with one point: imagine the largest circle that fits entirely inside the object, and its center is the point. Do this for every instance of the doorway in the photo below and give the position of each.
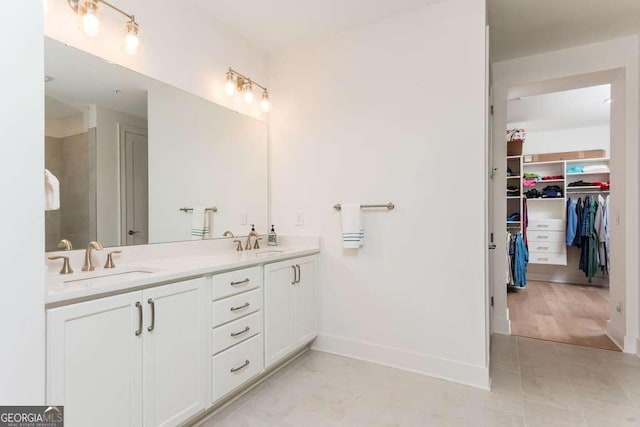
(134, 184)
(558, 208)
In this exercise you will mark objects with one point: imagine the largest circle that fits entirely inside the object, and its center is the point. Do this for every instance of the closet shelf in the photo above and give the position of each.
(588, 173)
(513, 197)
(514, 177)
(587, 187)
(546, 199)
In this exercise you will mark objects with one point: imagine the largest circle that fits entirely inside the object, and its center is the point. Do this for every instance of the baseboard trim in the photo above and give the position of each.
(630, 345)
(615, 335)
(446, 369)
(502, 325)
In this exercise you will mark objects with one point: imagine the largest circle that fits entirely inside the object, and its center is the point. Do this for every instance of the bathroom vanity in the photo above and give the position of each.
(158, 342)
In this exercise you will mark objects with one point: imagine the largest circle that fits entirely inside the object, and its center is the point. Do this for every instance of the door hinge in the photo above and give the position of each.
(491, 237)
(491, 301)
(491, 110)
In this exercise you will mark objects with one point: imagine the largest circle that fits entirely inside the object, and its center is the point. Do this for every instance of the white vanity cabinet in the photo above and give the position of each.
(132, 359)
(289, 306)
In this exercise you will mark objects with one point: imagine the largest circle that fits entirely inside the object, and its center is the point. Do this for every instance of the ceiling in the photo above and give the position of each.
(80, 79)
(527, 27)
(277, 24)
(561, 110)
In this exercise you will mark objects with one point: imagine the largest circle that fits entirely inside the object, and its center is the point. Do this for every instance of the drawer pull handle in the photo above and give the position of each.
(242, 282)
(242, 307)
(139, 307)
(543, 237)
(543, 248)
(241, 367)
(244, 331)
(543, 226)
(543, 259)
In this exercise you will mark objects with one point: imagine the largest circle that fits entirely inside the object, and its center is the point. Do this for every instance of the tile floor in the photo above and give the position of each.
(535, 383)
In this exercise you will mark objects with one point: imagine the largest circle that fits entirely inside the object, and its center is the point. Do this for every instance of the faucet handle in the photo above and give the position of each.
(238, 245)
(66, 268)
(65, 244)
(110, 263)
(256, 245)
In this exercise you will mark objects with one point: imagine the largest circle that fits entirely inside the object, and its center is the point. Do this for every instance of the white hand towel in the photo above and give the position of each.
(200, 224)
(51, 192)
(352, 227)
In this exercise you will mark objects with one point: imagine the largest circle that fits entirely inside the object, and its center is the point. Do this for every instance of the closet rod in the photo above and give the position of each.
(389, 206)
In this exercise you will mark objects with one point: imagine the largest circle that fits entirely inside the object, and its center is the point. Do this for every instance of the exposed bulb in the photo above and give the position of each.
(248, 93)
(131, 40)
(230, 85)
(90, 21)
(264, 104)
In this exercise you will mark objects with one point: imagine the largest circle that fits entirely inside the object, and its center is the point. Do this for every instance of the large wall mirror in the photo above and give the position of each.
(133, 156)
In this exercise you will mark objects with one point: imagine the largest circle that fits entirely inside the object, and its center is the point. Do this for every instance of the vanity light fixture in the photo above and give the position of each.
(244, 85)
(88, 10)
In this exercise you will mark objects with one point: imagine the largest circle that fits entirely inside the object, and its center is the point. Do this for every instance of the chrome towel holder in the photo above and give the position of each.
(389, 206)
(213, 209)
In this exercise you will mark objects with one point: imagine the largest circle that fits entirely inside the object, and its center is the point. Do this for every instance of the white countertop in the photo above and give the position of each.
(76, 287)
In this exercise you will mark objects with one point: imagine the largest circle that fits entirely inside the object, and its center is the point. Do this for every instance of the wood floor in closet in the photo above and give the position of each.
(572, 314)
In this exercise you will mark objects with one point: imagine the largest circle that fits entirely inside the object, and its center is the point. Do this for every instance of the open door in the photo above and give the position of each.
(134, 186)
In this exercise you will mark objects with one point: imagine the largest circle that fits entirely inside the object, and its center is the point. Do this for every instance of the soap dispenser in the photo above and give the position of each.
(272, 241)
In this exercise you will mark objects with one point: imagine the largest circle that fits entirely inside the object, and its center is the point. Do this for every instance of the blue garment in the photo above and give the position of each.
(520, 262)
(585, 230)
(572, 221)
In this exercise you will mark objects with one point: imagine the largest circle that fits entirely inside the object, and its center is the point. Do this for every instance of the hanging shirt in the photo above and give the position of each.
(572, 221)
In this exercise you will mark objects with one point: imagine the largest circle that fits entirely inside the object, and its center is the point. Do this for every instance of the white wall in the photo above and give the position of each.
(181, 44)
(65, 126)
(614, 61)
(21, 171)
(576, 139)
(394, 111)
(201, 154)
(108, 172)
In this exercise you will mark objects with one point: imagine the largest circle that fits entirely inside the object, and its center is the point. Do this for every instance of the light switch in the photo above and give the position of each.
(299, 218)
(243, 218)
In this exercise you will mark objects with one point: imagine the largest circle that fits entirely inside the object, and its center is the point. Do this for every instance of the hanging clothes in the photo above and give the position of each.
(517, 260)
(601, 226)
(577, 242)
(572, 221)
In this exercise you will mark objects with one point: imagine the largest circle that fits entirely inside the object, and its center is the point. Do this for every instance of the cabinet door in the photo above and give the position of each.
(94, 361)
(175, 350)
(304, 303)
(278, 331)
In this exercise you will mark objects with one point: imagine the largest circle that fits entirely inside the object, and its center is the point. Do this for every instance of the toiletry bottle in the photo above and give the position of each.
(272, 237)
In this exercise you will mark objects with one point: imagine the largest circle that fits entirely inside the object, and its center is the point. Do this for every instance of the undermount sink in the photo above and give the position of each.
(109, 277)
(269, 252)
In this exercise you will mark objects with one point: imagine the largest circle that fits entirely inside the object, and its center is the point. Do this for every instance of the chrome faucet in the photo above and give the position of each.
(88, 263)
(252, 233)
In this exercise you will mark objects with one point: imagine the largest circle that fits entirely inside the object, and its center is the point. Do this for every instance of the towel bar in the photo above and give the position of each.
(389, 206)
(214, 209)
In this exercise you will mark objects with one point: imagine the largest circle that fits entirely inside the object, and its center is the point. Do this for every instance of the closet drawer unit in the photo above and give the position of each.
(546, 236)
(546, 224)
(547, 258)
(235, 307)
(235, 332)
(548, 247)
(235, 282)
(234, 367)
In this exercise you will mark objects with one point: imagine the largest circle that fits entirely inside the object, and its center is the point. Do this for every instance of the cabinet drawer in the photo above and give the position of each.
(548, 247)
(546, 236)
(547, 258)
(546, 224)
(234, 367)
(235, 332)
(235, 282)
(235, 307)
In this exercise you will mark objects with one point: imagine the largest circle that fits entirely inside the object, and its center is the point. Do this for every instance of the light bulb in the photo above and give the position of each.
(46, 5)
(248, 93)
(265, 101)
(131, 40)
(230, 86)
(90, 21)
